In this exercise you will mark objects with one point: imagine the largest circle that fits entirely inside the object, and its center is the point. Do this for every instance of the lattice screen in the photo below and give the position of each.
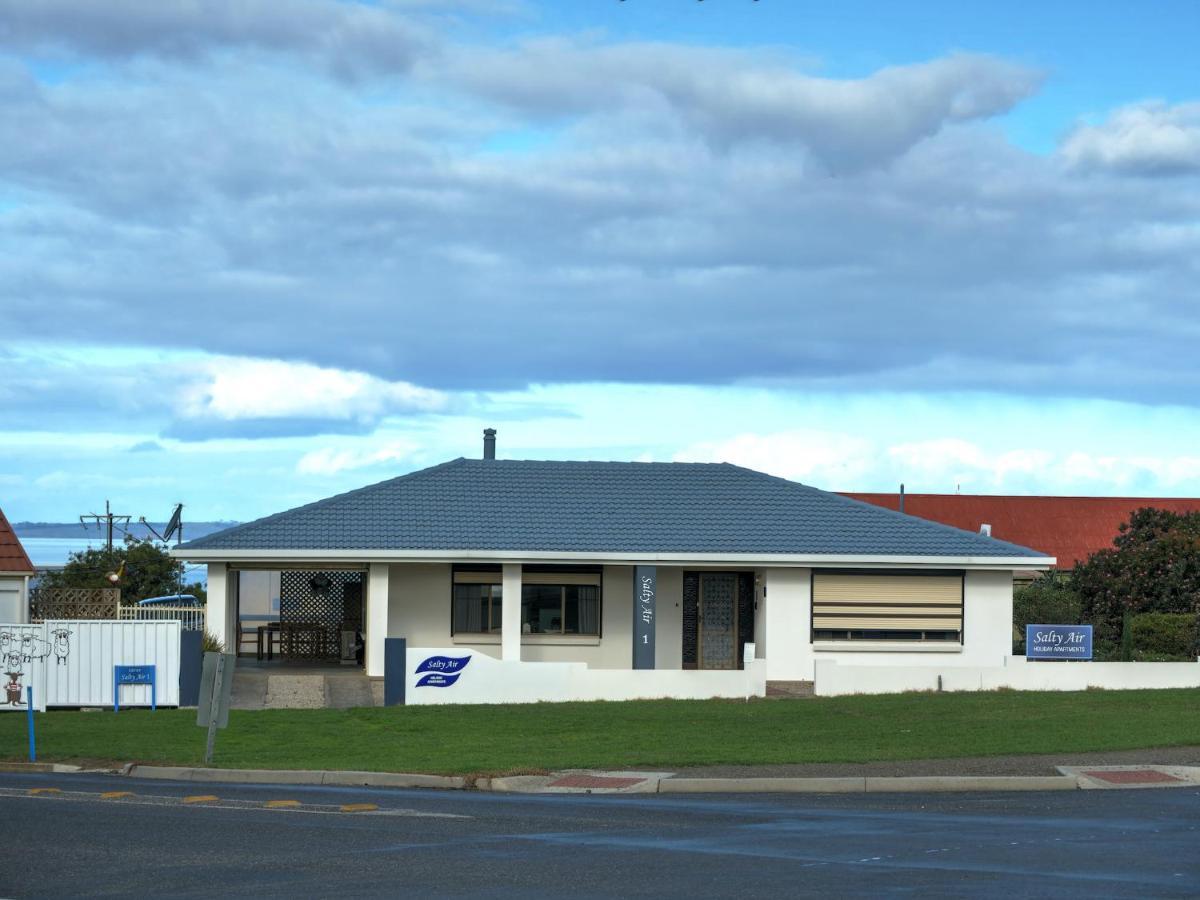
(73, 603)
(317, 613)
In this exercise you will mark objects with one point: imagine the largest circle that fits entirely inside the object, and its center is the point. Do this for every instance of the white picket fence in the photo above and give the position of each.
(191, 617)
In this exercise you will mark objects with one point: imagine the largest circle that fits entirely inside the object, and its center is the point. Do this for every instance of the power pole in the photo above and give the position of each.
(108, 519)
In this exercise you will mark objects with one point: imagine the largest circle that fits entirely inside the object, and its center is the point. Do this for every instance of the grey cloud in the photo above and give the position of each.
(352, 39)
(735, 96)
(146, 447)
(633, 248)
(1152, 139)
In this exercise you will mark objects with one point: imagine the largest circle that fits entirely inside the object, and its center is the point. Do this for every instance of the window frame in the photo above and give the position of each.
(545, 576)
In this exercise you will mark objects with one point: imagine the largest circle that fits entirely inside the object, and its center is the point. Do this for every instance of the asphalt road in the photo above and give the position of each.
(68, 839)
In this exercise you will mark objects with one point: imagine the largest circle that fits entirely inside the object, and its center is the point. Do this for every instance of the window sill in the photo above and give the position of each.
(534, 640)
(885, 647)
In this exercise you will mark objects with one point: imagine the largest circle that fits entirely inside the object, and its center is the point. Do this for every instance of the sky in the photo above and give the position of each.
(256, 253)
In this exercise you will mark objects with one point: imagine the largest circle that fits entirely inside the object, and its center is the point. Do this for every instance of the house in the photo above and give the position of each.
(15, 572)
(1067, 528)
(616, 579)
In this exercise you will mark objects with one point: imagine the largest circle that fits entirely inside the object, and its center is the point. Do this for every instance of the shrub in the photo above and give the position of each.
(211, 643)
(1164, 636)
(1050, 600)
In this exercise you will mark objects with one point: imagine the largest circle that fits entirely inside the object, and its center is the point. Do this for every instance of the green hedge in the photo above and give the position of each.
(1164, 636)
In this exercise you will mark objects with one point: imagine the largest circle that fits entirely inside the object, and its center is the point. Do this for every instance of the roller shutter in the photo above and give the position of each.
(858, 603)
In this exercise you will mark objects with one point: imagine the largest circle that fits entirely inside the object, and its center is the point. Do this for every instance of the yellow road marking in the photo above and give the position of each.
(45, 790)
(359, 807)
(113, 795)
(201, 798)
(282, 804)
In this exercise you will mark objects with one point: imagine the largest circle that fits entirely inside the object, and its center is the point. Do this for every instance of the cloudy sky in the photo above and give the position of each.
(254, 253)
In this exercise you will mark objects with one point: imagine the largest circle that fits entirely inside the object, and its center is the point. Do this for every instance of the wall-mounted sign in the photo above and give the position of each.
(645, 595)
(1058, 641)
(125, 675)
(441, 671)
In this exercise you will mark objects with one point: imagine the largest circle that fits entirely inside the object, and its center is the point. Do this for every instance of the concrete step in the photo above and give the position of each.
(793, 690)
(257, 689)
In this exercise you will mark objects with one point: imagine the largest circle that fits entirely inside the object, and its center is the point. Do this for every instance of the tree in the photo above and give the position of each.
(148, 571)
(1153, 566)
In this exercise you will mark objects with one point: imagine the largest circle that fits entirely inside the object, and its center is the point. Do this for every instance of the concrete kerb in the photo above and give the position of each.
(868, 785)
(298, 776)
(665, 785)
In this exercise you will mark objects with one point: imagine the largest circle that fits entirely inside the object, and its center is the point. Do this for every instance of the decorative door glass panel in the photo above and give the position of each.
(718, 622)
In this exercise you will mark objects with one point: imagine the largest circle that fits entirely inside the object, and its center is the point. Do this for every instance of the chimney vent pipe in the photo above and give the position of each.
(489, 443)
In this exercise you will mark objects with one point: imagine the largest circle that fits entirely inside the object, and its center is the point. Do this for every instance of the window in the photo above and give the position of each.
(477, 603)
(887, 607)
(560, 608)
(551, 602)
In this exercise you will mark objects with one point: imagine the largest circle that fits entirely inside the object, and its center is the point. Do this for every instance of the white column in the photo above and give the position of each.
(376, 618)
(510, 619)
(219, 618)
(787, 625)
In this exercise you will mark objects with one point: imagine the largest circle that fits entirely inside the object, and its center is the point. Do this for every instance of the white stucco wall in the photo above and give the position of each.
(14, 607)
(786, 609)
(419, 610)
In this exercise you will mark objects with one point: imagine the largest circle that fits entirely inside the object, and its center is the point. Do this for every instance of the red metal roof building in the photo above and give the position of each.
(1069, 528)
(13, 558)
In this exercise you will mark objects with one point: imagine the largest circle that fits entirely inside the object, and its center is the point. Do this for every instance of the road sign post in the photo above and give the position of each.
(216, 688)
(29, 713)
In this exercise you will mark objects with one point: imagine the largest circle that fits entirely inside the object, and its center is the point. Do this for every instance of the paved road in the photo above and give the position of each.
(73, 841)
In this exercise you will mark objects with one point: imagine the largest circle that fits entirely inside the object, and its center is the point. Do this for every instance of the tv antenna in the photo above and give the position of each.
(108, 518)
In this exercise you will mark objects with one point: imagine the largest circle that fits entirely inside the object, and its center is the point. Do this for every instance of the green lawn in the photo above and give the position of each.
(652, 734)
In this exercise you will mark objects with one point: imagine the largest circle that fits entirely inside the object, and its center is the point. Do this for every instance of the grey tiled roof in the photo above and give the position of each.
(596, 507)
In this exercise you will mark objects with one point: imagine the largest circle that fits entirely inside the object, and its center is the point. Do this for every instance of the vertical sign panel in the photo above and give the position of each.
(645, 611)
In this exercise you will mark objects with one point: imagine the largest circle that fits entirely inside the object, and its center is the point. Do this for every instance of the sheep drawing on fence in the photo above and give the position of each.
(62, 645)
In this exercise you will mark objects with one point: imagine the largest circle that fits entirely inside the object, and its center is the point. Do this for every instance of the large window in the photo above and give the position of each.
(552, 602)
(887, 607)
(476, 603)
(560, 603)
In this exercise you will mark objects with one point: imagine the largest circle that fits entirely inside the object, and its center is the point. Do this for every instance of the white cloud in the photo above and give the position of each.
(1152, 138)
(231, 388)
(812, 456)
(331, 461)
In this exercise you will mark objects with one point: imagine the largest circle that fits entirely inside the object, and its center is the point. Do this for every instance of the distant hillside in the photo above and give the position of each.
(76, 530)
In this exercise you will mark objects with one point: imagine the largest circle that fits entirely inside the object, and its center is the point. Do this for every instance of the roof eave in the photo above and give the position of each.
(200, 555)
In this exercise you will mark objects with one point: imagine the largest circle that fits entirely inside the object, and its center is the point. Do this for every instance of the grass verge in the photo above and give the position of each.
(662, 734)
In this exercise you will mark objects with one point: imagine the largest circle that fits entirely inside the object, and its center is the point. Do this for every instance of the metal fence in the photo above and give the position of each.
(192, 617)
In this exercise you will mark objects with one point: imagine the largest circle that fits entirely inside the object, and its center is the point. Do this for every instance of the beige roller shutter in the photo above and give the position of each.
(854, 602)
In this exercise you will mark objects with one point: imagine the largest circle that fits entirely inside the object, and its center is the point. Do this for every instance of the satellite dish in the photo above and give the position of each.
(174, 524)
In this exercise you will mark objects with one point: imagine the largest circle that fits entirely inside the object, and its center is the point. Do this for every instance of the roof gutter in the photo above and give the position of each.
(622, 558)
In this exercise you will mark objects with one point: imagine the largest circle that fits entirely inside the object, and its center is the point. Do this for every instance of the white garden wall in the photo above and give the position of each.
(485, 679)
(835, 679)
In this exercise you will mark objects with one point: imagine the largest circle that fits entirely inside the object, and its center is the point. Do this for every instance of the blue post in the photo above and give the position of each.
(29, 713)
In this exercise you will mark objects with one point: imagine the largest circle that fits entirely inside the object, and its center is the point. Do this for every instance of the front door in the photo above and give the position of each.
(717, 621)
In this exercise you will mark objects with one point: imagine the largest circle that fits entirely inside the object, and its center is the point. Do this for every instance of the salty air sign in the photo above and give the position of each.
(1058, 641)
(441, 671)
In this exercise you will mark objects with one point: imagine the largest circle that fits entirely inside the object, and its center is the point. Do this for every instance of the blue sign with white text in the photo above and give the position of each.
(1058, 641)
(441, 671)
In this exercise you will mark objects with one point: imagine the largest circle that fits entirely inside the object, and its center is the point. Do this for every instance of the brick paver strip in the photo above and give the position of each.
(595, 781)
(1133, 776)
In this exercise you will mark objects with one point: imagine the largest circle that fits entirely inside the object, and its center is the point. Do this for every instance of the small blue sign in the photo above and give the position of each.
(123, 675)
(441, 671)
(1058, 641)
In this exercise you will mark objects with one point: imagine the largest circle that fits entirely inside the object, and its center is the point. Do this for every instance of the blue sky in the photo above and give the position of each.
(258, 253)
